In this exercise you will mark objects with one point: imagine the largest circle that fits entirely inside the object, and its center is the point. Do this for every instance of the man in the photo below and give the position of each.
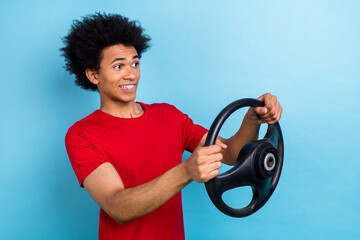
(128, 154)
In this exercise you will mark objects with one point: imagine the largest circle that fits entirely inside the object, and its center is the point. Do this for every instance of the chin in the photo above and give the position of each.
(128, 99)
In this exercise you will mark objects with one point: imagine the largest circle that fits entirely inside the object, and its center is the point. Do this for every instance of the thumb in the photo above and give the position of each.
(221, 144)
(261, 110)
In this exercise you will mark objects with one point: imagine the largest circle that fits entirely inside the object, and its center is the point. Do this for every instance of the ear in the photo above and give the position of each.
(92, 75)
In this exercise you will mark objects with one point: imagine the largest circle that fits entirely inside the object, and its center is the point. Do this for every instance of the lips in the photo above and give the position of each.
(127, 87)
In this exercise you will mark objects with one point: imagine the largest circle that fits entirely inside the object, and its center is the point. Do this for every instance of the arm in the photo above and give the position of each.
(107, 189)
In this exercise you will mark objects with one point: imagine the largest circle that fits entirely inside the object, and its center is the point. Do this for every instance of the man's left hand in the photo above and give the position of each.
(270, 113)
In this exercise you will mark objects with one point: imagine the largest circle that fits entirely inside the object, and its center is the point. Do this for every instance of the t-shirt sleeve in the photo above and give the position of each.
(191, 132)
(83, 155)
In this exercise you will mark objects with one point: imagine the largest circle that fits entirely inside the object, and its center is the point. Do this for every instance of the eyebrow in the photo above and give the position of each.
(123, 59)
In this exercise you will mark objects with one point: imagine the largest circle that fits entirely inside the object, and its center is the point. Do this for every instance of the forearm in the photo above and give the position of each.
(249, 131)
(128, 204)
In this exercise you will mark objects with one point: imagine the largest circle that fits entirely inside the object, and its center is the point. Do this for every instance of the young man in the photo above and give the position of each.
(128, 154)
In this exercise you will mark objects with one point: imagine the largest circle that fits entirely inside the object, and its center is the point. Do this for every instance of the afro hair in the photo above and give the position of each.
(87, 38)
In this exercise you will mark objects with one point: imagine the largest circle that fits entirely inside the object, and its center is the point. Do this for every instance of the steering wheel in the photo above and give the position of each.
(258, 165)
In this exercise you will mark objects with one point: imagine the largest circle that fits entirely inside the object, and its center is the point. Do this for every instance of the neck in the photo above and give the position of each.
(122, 110)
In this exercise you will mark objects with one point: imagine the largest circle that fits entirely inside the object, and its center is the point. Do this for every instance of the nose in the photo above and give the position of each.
(130, 73)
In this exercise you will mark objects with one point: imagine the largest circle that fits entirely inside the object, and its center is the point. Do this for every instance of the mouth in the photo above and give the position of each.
(127, 87)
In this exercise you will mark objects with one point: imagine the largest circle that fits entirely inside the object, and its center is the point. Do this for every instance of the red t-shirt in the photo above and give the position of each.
(140, 149)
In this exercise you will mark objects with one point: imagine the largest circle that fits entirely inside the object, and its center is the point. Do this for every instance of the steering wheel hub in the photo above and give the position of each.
(269, 162)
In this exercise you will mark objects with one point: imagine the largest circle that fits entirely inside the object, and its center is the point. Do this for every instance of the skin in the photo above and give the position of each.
(120, 66)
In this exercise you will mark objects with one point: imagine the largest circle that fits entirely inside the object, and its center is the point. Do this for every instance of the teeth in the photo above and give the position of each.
(127, 86)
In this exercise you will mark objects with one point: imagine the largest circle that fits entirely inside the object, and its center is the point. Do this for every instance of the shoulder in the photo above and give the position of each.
(161, 107)
(83, 125)
(166, 111)
(158, 106)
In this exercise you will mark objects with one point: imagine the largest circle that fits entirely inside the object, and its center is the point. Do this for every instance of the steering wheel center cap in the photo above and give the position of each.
(269, 162)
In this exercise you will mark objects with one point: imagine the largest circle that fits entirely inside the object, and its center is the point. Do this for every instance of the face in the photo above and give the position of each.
(119, 74)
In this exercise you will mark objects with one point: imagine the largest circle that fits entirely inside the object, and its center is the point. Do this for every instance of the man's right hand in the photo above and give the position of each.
(204, 163)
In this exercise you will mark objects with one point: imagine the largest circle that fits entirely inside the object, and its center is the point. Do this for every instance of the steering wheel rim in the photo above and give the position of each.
(250, 169)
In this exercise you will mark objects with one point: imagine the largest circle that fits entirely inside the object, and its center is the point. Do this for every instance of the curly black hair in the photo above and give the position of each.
(87, 38)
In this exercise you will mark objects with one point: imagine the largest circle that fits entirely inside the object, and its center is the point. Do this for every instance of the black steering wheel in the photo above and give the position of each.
(258, 165)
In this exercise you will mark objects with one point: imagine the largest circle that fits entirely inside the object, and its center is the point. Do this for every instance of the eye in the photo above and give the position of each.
(135, 64)
(118, 66)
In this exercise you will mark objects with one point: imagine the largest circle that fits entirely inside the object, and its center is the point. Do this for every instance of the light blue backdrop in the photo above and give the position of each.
(204, 55)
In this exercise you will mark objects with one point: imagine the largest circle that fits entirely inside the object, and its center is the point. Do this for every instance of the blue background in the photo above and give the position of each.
(204, 55)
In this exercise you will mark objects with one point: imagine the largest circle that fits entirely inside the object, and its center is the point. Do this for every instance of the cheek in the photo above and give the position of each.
(113, 78)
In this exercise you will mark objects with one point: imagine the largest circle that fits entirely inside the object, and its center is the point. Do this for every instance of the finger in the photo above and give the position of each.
(270, 119)
(268, 104)
(213, 166)
(278, 115)
(271, 112)
(275, 119)
(271, 104)
(211, 175)
(210, 149)
(206, 160)
(217, 157)
(209, 159)
(262, 97)
(272, 109)
(278, 111)
(260, 110)
(221, 144)
(267, 99)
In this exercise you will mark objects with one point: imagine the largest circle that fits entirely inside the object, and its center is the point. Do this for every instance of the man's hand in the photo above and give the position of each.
(270, 113)
(205, 162)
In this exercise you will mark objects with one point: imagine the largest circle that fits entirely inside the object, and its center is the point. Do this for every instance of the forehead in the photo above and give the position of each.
(118, 51)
